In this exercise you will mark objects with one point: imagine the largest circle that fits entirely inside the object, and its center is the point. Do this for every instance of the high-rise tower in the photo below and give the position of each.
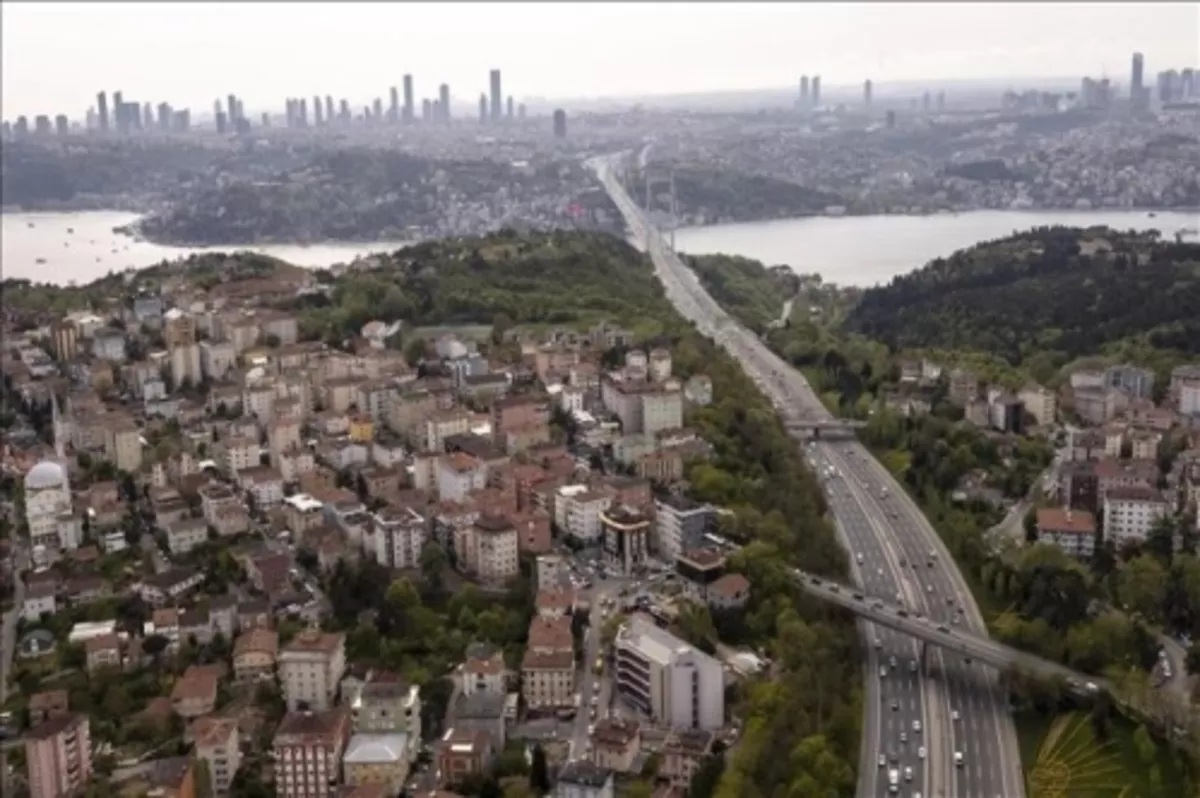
(497, 100)
(1136, 81)
(409, 99)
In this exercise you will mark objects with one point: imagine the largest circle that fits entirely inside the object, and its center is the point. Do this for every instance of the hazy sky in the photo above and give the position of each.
(56, 56)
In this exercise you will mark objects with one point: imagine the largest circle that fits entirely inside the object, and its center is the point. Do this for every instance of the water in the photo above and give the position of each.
(861, 250)
(88, 253)
(866, 250)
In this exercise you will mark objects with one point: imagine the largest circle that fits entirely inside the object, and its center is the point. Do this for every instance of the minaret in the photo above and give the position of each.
(56, 430)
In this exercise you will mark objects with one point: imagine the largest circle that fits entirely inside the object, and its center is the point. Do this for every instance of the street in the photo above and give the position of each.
(8, 646)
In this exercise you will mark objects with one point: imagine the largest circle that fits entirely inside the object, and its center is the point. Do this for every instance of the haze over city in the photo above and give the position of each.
(190, 53)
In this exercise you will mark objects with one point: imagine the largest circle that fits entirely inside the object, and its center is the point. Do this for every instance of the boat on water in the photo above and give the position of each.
(31, 224)
(71, 230)
(1188, 231)
(40, 261)
(1152, 214)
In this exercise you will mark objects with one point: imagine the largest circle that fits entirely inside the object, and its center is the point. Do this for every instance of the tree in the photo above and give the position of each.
(155, 645)
(1193, 658)
(1142, 585)
(539, 778)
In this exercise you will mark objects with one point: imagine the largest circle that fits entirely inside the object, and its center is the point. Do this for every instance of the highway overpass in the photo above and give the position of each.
(1170, 715)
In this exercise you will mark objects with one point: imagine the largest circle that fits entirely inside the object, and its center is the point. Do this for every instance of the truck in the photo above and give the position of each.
(893, 780)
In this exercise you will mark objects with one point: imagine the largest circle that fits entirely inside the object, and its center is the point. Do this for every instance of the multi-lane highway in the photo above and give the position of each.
(968, 736)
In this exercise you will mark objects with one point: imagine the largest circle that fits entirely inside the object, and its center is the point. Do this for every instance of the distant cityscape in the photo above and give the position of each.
(124, 117)
(113, 113)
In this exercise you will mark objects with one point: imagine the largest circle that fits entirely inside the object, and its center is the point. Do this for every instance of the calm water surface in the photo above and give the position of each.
(865, 250)
(83, 247)
(854, 251)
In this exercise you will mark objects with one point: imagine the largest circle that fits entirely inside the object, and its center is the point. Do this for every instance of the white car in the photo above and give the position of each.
(954, 715)
(917, 726)
(882, 761)
(921, 752)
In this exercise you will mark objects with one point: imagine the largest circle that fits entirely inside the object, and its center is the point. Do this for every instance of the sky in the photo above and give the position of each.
(56, 56)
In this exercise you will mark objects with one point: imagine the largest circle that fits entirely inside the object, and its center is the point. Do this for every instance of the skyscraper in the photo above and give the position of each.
(804, 91)
(393, 105)
(816, 91)
(329, 109)
(148, 116)
(61, 125)
(1135, 81)
(510, 107)
(444, 102)
(560, 123)
(521, 111)
(867, 92)
(377, 110)
(302, 112)
(164, 117)
(118, 112)
(426, 109)
(483, 109)
(102, 110)
(231, 108)
(409, 100)
(318, 111)
(497, 100)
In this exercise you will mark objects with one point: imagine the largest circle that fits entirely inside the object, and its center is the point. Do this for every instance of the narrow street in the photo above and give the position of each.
(8, 647)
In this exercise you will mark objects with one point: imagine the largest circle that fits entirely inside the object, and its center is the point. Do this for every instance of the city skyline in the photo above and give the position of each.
(537, 51)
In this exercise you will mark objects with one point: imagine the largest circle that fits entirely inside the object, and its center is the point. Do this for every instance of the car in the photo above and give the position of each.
(879, 571)
(882, 671)
(892, 661)
(903, 613)
(929, 563)
(928, 588)
(878, 605)
(943, 628)
(908, 774)
(899, 598)
(903, 562)
(954, 715)
(591, 729)
(904, 738)
(859, 558)
(858, 596)
(950, 599)
(958, 759)
(895, 705)
(912, 666)
(878, 643)
(932, 554)
(921, 752)
(917, 726)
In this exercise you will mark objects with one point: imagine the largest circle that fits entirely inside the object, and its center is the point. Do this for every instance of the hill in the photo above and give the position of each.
(1064, 290)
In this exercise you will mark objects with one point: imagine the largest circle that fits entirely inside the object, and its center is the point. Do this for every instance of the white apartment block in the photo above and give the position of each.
(1130, 512)
(1040, 403)
(577, 512)
(662, 409)
(677, 685)
(398, 537)
(217, 358)
(458, 474)
(496, 549)
(186, 534)
(310, 668)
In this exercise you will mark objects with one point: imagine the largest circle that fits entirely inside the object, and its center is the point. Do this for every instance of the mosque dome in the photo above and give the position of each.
(46, 474)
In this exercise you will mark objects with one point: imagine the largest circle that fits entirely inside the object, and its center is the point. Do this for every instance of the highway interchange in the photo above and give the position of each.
(895, 541)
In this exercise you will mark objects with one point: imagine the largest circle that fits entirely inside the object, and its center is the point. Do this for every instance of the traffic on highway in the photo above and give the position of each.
(943, 731)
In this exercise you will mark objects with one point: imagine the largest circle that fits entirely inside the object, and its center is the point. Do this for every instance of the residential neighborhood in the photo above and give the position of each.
(198, 490)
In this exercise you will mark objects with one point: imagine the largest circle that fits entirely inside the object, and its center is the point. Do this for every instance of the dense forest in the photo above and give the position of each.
(1062, 290)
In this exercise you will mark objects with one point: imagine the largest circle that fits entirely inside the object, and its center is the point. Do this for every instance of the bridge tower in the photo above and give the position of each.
(651, 179)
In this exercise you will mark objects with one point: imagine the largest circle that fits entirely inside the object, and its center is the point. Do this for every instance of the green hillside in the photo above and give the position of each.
(1069, 291)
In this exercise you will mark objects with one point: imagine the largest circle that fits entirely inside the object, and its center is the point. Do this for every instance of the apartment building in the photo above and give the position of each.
(583, 779)
(310, 667)
(496, 549)
(1073, 531)
(58, 755)
(1130, 512)
(680, 524)
(308, 748)
(577, 511)
(386, 703)
(458, 474)
(216, 743)
(625, 538)
(548, 669)
(397, 537)
(675, 684)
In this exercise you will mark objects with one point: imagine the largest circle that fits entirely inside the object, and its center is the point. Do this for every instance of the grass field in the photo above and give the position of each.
(1063, 759)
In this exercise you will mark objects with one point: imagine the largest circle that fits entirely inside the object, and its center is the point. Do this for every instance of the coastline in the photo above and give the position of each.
(134, 231)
